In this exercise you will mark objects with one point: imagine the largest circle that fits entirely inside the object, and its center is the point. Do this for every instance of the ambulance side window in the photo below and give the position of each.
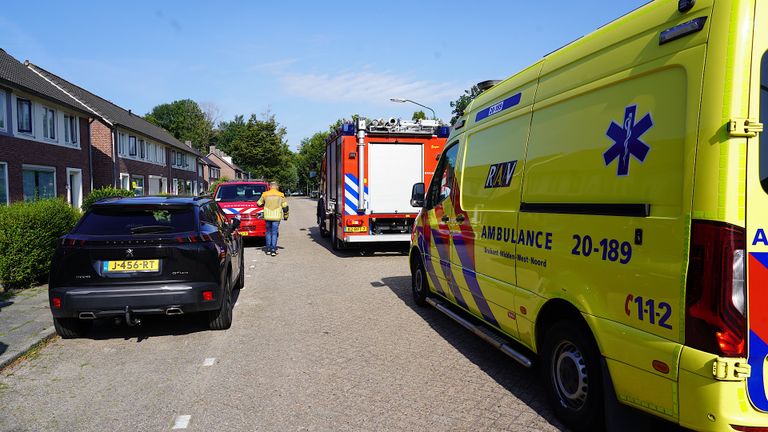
(763, 119)
(442, 182)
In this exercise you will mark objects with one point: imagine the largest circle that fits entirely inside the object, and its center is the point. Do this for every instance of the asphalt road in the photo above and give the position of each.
(320, 341)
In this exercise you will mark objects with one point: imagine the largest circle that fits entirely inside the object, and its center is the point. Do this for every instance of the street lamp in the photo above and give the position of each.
(400, 100)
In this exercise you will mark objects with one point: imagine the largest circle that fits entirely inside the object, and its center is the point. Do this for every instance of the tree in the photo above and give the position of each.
(184, 120)
(460, 104)
(310, 159)
(259, 146)
(419, 115)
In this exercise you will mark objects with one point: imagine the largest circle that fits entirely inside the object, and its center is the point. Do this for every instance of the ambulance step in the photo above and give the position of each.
(485, 334)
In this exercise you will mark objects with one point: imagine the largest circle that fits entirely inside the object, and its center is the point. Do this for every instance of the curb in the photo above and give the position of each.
(42, 339)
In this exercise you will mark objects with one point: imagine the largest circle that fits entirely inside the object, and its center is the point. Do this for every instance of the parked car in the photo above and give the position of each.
(238, 199)
(129, 257)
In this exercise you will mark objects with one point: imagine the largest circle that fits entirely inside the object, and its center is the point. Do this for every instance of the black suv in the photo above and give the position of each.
(128, 257)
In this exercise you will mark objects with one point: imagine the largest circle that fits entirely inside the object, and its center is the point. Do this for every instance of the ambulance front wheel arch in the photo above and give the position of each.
(570, 366)
(419, 284)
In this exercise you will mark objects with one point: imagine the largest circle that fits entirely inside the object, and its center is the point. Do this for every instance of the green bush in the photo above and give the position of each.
(28, 235)
(105, 192)
(215, 183)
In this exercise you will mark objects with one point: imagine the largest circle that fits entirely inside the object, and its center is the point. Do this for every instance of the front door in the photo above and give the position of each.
(74, 187)
(439, 215)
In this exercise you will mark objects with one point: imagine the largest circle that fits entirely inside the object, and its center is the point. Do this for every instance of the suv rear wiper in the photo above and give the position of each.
(146, 229)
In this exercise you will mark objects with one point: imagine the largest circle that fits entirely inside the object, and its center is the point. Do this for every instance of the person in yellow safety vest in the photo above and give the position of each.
(275, 210)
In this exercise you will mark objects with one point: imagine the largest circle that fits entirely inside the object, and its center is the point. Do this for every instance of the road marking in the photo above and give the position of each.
(181, 422)
(210, 360)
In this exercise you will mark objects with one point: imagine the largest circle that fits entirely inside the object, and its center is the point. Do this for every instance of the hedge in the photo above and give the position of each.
(105, 192)
(28, 235)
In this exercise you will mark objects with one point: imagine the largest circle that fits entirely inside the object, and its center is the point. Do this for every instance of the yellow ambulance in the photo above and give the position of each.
(604, 213)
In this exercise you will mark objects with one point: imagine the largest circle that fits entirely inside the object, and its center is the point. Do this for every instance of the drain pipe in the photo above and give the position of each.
(361, 165)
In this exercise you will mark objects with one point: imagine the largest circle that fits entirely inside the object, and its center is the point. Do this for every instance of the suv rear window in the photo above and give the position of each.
(240, 192)
(137, 220)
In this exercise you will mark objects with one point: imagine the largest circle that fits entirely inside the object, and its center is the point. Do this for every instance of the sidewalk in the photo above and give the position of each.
(25, 320)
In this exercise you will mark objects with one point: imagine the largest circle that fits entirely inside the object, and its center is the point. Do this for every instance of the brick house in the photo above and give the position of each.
(208, 171)
(228, 169)
(45, 140)
(128, 151)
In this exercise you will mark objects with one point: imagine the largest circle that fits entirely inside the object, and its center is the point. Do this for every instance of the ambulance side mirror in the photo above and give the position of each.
(417, 195)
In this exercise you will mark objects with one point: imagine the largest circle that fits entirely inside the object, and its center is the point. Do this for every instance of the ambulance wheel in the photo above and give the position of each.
(572, 375)
(419, 285)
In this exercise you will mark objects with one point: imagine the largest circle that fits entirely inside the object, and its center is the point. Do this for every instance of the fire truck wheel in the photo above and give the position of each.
(571, 369)
(336, 244)
(419, 286)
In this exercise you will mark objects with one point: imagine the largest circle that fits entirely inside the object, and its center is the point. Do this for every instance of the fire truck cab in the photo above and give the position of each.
(368, 170)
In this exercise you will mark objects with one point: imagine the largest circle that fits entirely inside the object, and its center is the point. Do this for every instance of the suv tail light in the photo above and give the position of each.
(715, 318)
(194, 239)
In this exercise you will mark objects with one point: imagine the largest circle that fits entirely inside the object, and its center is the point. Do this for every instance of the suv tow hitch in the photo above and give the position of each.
(131, 321)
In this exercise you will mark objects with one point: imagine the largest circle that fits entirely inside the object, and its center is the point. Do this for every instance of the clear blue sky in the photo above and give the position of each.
(309, 63)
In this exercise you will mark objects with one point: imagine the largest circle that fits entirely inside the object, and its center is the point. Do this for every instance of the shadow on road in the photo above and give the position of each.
(358, 251)
(3, 348)
(525, 384)
(152, 326)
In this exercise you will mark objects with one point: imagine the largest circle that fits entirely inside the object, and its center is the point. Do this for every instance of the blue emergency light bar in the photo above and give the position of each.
(443, 131)
(348, 129)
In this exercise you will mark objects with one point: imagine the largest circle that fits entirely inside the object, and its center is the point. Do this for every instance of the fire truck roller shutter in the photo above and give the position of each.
(393, 168)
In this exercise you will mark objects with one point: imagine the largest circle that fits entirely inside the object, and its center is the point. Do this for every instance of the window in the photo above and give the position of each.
(2, 111)
(239, 192)
(137, 184)
(214, 173)
(24, 116)
(442, 182)
(39, 183)
(70, 129)
(125, 181)
(136, 220)
(49, 123)
(121, 141)
(132, 146)
(3, 183)
(142, 149)
(763, 150)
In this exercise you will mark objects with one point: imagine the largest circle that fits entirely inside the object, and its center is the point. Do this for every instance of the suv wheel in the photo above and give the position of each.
(222, 318)
(71, 328)
(241, 277)
(572, 375)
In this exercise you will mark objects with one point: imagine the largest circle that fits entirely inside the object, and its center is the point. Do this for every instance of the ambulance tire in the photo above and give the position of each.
(572, 376)
(419, 284)
(71, 328)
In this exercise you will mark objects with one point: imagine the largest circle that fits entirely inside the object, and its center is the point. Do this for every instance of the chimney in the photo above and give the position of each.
(212, 149)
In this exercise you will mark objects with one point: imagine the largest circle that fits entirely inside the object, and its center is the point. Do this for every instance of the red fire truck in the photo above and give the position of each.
(368, 171)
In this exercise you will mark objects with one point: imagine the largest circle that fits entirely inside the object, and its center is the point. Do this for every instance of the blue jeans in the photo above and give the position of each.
(272, 234)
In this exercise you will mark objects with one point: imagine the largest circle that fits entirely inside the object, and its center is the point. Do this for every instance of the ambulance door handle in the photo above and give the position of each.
(445, 218)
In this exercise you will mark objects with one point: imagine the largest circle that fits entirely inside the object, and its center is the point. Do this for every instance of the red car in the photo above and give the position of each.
(237, 199)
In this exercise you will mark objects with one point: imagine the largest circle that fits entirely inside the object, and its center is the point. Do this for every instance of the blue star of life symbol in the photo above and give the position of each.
(627, 140)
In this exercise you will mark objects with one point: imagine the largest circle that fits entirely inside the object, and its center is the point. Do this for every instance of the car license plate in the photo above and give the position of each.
(131, 266)
(356, 229)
